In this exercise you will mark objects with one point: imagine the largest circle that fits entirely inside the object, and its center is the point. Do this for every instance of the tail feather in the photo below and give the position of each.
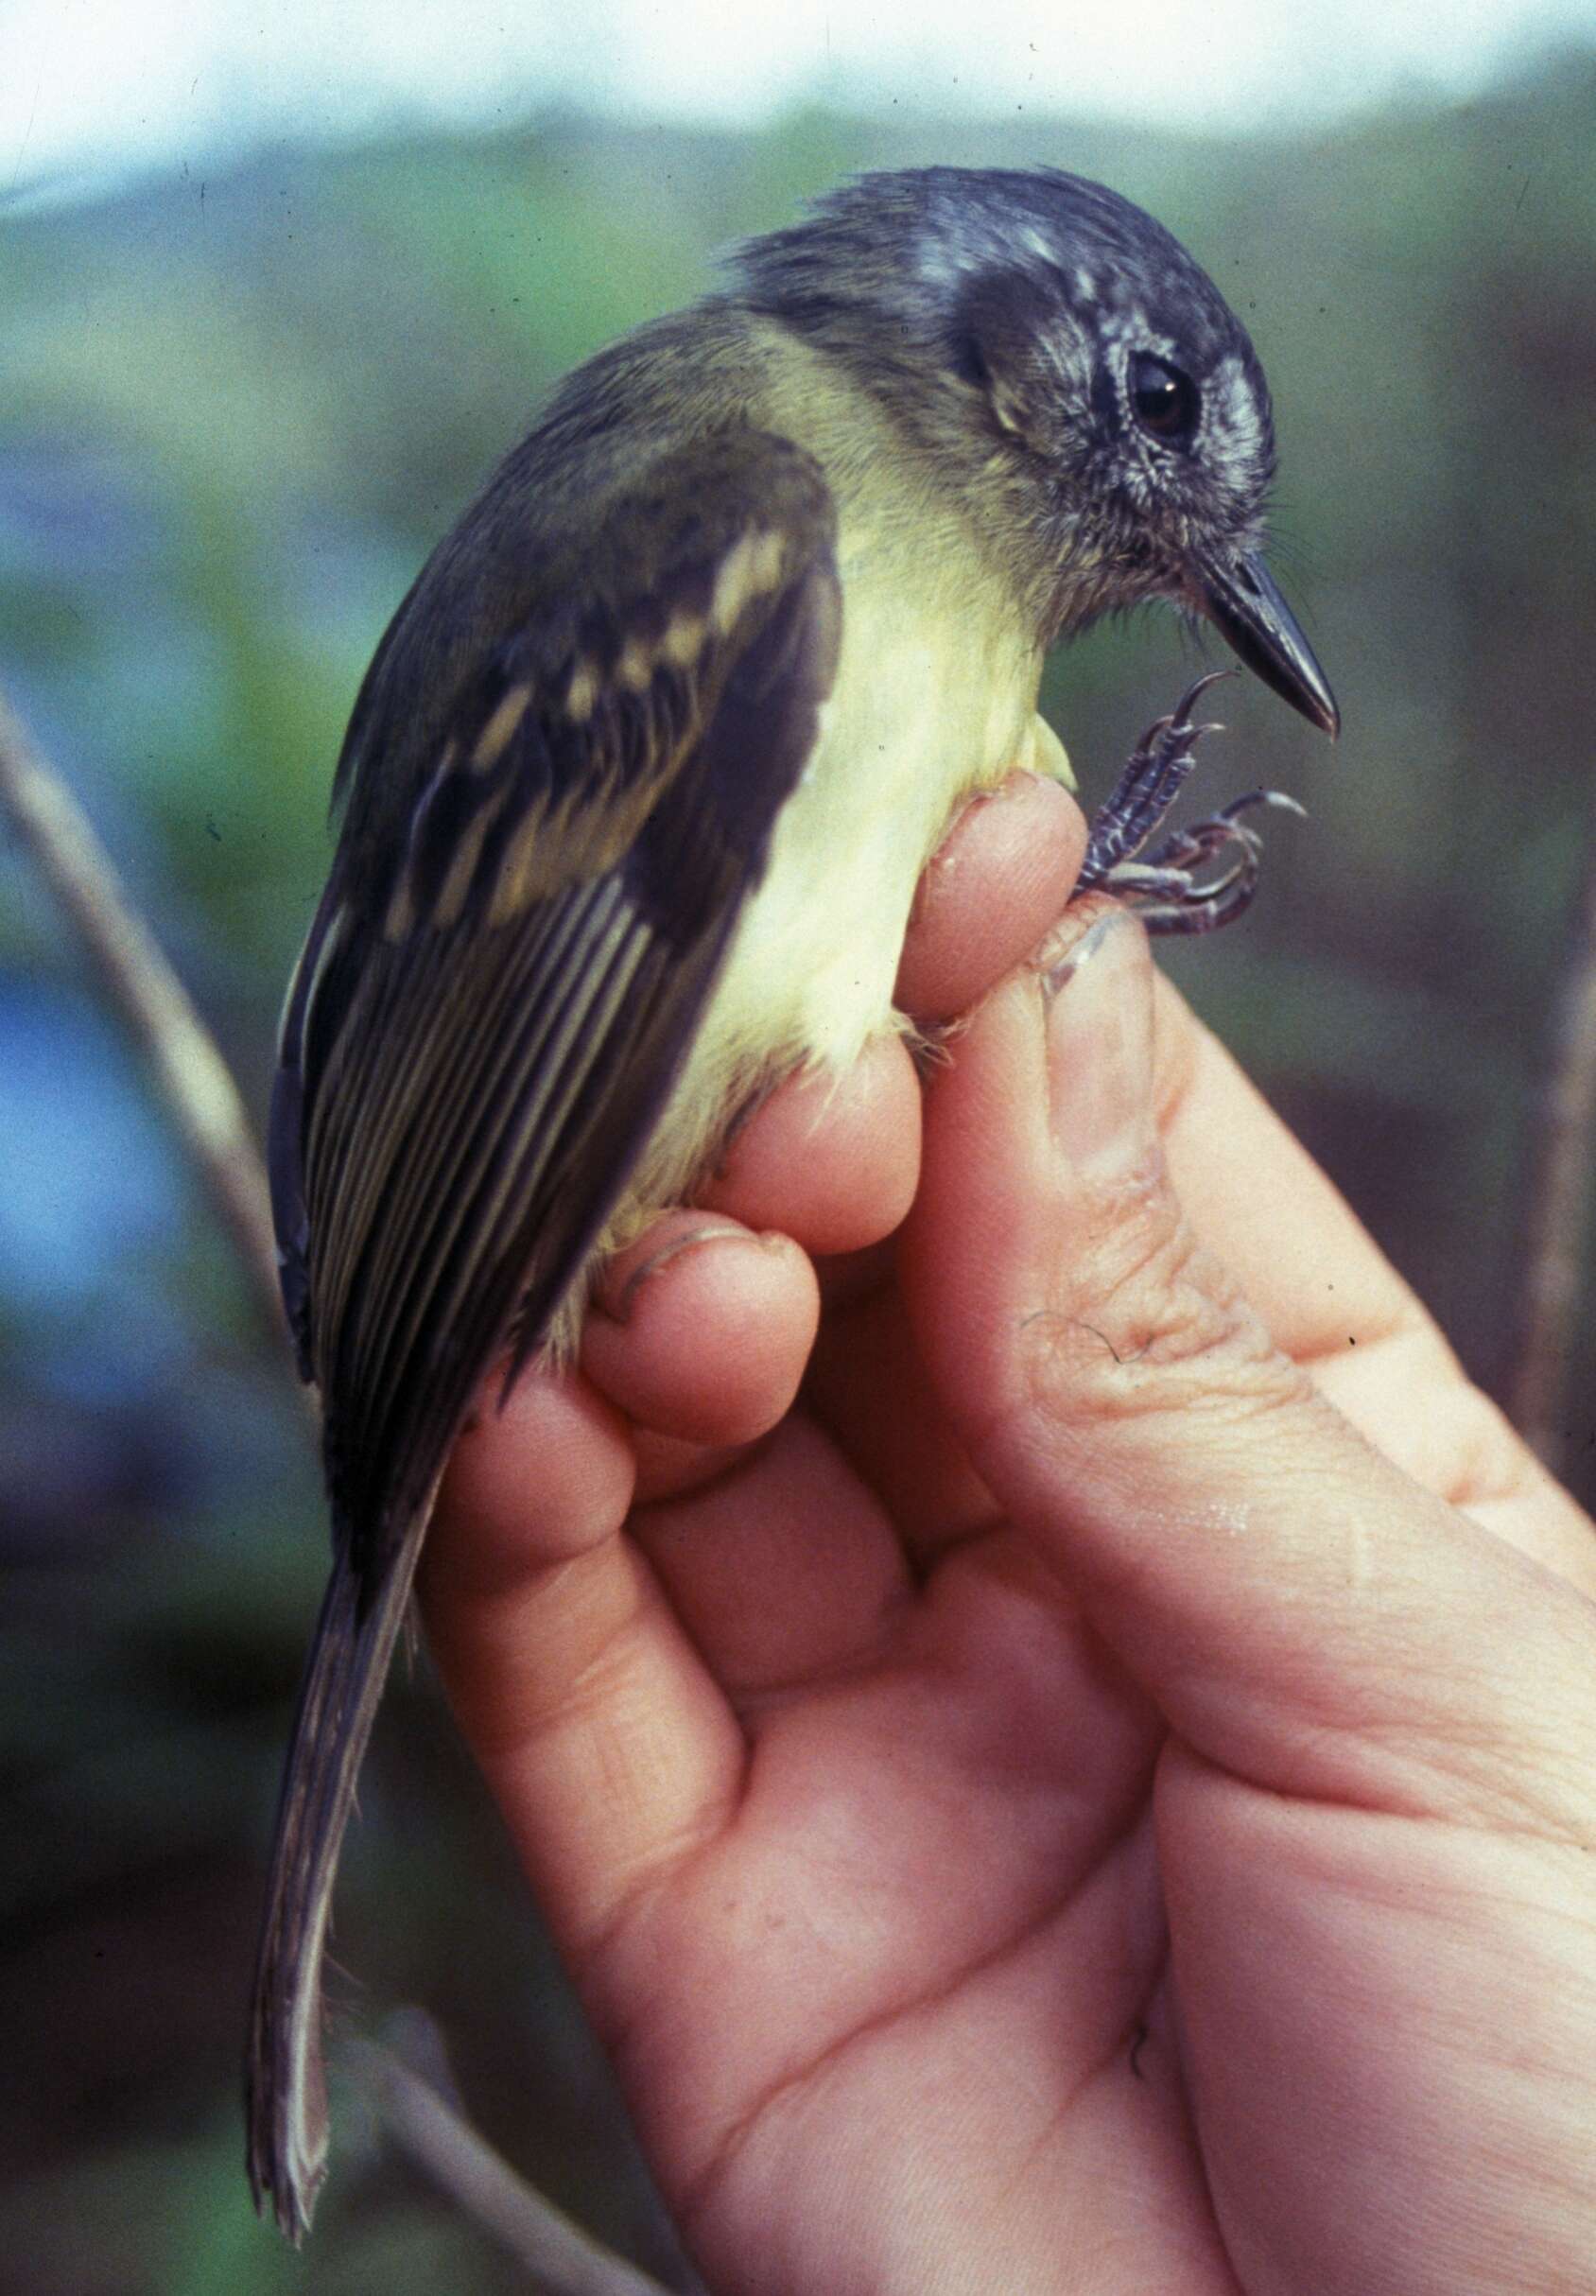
(285, 2097)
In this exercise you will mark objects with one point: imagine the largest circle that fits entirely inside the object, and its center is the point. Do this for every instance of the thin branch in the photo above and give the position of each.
(1556, 1231)
(195, 1084)
(562, 2260)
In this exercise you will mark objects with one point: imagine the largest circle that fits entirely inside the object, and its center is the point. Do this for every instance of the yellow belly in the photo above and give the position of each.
(922, 714)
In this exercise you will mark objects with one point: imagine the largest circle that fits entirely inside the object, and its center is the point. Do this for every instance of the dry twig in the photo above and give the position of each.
(1556, 1230)
(195, 1084)
(562, 2260)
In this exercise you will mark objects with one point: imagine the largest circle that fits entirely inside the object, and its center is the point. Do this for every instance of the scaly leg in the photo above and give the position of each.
(1167, 891)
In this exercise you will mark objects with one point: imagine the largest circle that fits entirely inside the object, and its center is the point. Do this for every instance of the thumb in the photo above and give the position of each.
(1303, 1612)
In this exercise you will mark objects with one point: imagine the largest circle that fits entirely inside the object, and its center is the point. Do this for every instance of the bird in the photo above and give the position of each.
(633, 801)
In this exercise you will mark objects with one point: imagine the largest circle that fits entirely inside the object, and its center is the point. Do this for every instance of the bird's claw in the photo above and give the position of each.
(1166, 889)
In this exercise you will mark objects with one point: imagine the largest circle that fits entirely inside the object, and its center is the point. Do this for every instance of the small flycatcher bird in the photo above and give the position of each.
(635, 796)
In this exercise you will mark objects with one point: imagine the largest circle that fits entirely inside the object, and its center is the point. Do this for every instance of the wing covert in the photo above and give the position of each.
(499, 992)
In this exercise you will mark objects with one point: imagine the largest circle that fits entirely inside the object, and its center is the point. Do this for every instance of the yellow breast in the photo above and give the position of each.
(924, 710)
(935, 697)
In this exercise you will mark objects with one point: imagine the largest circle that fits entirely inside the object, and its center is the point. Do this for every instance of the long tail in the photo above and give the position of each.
(285, 2095)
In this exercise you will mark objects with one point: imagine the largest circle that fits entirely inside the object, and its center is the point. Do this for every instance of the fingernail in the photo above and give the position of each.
(1099, 1049)
(619, 1305)
(977, 801)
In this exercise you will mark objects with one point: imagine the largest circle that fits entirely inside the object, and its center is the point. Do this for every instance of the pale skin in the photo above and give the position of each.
(1100, 1792)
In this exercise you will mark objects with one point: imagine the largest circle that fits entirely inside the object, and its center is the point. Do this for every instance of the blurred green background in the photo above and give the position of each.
(237, 408)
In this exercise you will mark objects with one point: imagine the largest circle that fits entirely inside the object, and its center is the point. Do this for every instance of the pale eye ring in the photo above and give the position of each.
(1164, 399)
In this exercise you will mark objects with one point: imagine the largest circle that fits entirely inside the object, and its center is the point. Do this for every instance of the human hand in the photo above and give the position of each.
(1100, 1792)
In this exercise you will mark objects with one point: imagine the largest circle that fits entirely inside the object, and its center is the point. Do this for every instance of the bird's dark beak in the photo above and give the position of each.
(1241, 601)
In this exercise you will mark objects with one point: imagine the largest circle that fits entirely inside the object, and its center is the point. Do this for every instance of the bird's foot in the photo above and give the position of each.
(1173, 889)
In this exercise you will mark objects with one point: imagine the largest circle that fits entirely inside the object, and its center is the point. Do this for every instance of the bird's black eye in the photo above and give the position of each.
(1165, 400)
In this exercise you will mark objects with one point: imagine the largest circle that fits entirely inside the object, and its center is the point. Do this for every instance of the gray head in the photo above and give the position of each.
(1074, 374)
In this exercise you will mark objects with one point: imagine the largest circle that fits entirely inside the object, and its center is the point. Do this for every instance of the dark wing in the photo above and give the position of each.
(499, 996)
(522, 929)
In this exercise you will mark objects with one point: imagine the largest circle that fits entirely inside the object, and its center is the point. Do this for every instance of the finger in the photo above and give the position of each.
(608, 1746)
(829, 1160)
(701, 1330)
(1334, 1303)
(1259, 1201)
(871, 1392)
(1304, 1614)
(1001, 880)
(832, 1161)
(784, 1571)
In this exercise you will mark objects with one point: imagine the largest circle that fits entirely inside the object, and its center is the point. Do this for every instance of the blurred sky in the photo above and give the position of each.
(97, 88)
